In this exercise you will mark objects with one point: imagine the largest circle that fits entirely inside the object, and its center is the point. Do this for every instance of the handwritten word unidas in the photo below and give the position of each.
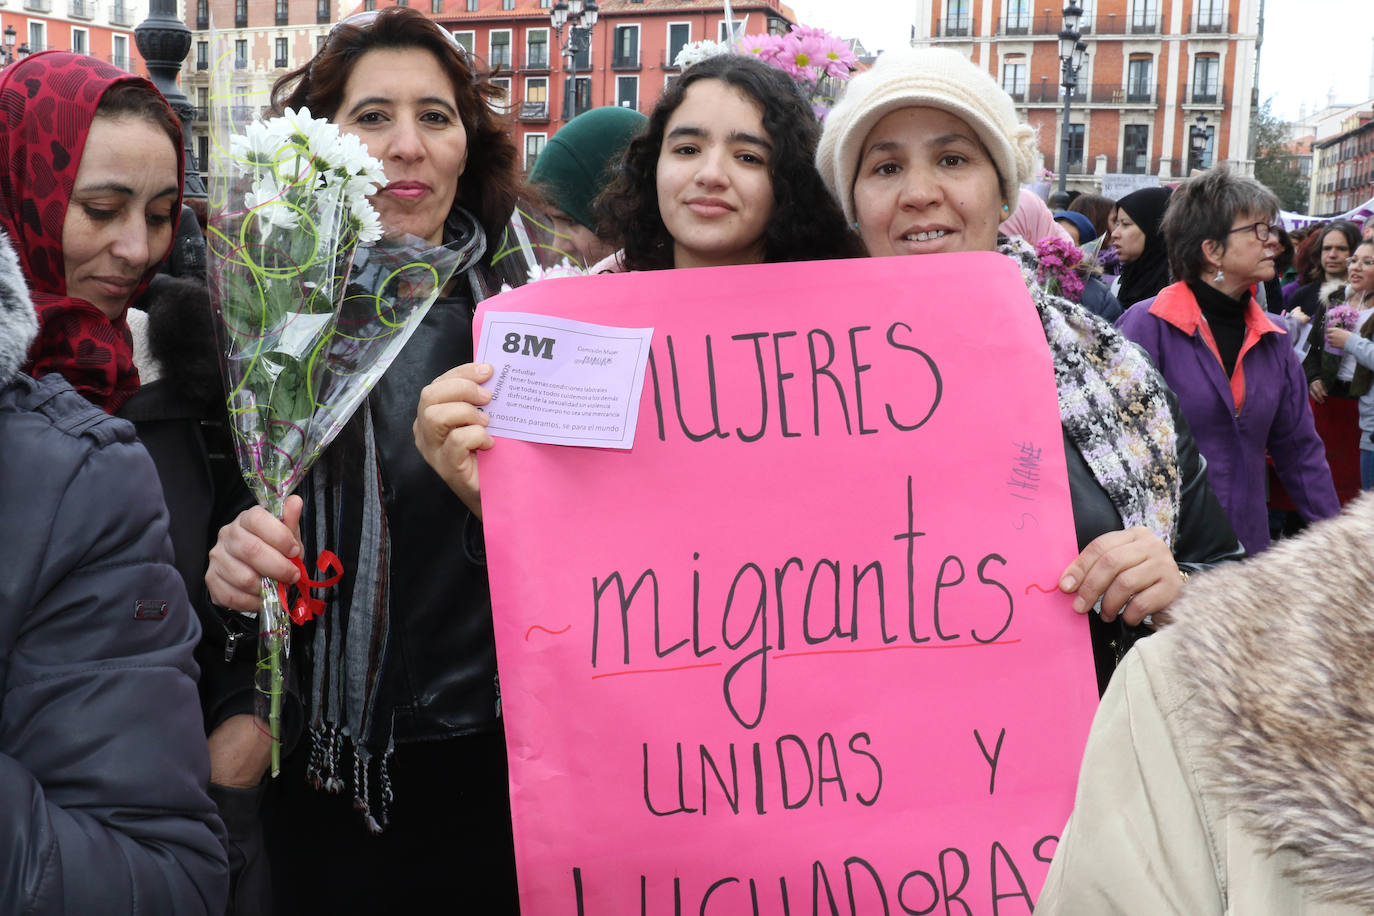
(844, 604)
(798, 372)
(854, 887)
(785, 774)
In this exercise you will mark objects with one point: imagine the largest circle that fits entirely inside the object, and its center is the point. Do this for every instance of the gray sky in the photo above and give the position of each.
(1310, 46)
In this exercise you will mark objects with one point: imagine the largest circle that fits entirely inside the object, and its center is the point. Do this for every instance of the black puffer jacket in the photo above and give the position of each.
(103, 762)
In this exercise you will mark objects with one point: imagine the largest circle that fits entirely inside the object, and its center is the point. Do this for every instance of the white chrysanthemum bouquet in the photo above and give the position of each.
(315, 299)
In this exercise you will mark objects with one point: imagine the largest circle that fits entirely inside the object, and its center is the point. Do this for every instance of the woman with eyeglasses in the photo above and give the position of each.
(1360, 295)
(397, 681)
(1237, 377)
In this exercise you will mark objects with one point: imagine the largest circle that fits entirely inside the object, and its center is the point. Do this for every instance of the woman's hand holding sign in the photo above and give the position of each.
(1131, 571)
(450, 427)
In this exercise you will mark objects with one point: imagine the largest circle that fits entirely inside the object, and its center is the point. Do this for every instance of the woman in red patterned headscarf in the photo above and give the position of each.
(89, 195)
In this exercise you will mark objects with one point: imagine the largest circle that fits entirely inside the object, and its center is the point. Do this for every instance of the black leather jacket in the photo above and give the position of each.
(441, 658)
(1204, 536)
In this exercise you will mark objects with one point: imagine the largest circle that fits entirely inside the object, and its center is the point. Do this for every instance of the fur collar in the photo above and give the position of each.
(18, 323)
(1278, 656)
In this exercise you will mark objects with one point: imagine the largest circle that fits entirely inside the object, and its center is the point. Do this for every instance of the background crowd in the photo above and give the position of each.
(1214, 376)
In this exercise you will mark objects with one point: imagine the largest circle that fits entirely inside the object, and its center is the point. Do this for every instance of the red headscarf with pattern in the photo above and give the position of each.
(47, 104)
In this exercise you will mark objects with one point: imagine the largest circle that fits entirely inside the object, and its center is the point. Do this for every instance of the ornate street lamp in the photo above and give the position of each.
(580, 16)
(10, 37)
(1071, 52)
(1197, 142)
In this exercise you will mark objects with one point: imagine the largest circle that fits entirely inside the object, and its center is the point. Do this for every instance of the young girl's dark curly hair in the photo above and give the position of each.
(491, 180)
(806, 225)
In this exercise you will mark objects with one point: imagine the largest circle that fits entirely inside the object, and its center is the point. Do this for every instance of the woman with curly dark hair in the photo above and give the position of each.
(398, 694)
(723, 174)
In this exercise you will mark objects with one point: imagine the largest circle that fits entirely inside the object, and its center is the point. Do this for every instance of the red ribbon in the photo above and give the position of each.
(308, 607)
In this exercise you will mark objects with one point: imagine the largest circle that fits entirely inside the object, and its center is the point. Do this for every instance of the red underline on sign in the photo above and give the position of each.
(656, 670)
(962, 645)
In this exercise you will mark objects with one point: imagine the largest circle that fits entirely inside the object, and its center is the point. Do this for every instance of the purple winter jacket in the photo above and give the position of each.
(1273, 412)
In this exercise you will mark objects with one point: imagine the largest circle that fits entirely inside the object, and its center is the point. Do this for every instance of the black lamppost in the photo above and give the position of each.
(1071, 52)
(10, 37)
(163, 41)
(1197, 142)
(580, 17)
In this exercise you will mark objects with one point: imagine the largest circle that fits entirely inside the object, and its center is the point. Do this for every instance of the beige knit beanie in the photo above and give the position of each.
(933, 78)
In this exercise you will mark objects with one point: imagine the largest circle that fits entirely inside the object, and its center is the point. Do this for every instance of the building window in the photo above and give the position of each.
(537, 49)
(281, 53)
(202, 55)
(468, 39)
(507, 4)
(499, 55)
(725, 33)
(1144, 15)
(582, 95)
(1206, 77)
(956, 21)
(626, 53)
(472, 6)
(1211, 16)
(1075, 158)
(1018, 17)
(369, 5)
(203, 152)
(1139, 79)
(1209, 151)
(319, 42)
(534, 145)
(500, 100)
(322, 11)
(120, 46)
(1135, 158)
(38, 37)
(202, 14)
(81, 41)
(240, 14)
(627, 92)
(536, 97)
(436, 7)
(679, 34)
(1014, 77)
(241, 54)
(283, 12)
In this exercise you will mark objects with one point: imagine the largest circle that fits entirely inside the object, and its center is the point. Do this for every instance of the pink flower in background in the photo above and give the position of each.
(812, 57)
(765, 47)
(802, 58)
(1343, 316)
(1058, 270)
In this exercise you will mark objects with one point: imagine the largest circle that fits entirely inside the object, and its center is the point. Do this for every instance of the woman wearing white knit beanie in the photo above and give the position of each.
(926, 155)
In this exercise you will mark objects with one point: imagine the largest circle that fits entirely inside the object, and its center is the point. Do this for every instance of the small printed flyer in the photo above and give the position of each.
(563, 382)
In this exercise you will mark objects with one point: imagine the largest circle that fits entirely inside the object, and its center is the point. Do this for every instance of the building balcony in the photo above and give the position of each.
(1217, 22)
(668, 64)
(240, 21)
(1205, 94)
(120, 60)
(534, 111)
(1051, 22)
(202, 22)
(535, 63)
(38, 6)
(1047, 93)
(81, 9)
(955, 27)
(625, 62)
(121, 15)
(1143, 24)
(202, 65)
(1015, 24)
(201, 113)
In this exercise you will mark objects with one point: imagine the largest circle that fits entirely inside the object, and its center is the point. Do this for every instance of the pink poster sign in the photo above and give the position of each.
(797, 651)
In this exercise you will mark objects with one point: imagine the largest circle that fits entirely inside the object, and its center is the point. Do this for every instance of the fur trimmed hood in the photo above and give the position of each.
(1278, 654)
(18, 322)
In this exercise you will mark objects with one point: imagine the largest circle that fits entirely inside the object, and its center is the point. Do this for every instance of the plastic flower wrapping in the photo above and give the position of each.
(818, 61)
(314, 300)
(1343, 316)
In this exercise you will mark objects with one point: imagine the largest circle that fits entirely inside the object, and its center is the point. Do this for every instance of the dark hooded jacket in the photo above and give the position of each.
(103, 762)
